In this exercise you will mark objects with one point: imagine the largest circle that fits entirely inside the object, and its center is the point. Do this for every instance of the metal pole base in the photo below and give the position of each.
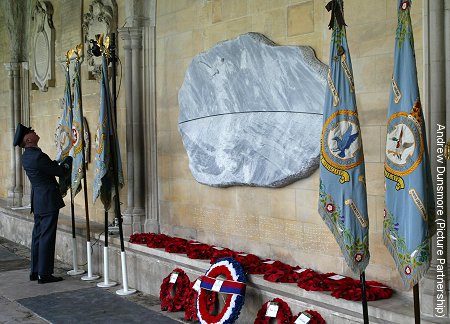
(90, 278)
(123, 292)
(106, 284)
(75, 272)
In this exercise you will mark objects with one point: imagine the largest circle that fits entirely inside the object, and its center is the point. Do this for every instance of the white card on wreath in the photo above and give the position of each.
(196, 286)
(173, 277)
(217, 284)
(303, 318)
(336, 277)
(300, 270)
(272, 310)
(269, 262)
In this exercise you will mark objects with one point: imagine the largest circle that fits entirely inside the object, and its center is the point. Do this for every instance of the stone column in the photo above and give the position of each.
(437, 96)
(127, 218)
(139, 45)
(25, 105)
(15, 192)
(138, 130)
(134, 215)
(150, 142)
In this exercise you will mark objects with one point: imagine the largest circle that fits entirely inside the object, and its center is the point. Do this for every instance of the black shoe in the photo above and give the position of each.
(48, 278)
(34, 276)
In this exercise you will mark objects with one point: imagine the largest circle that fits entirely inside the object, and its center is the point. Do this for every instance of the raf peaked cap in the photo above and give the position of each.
(21, 131)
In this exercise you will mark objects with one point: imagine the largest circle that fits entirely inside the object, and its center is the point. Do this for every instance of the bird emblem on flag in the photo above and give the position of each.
(343, 142)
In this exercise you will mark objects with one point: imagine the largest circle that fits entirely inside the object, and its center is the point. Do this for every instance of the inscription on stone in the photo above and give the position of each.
(251, 113)
(41, 61)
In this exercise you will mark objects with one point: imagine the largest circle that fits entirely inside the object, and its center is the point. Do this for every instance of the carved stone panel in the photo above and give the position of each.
(43, 46)
(251, 113)
(101, 19)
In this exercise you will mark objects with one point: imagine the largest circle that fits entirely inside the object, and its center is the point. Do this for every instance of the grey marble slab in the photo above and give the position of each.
(251, 113)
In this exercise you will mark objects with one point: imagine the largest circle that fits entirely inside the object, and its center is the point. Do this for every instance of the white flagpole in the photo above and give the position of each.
(75, 271)
(106, 282)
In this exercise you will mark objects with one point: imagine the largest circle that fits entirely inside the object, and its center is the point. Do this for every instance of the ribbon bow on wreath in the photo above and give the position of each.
(190, 307)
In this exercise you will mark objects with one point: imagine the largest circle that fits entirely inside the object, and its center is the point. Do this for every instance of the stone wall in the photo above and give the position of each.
(277, 223)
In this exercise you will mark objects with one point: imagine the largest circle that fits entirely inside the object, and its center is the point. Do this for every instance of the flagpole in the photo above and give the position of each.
(89, 275)
(364, 297)
(75, 270)
(113, 142)
(416, 303)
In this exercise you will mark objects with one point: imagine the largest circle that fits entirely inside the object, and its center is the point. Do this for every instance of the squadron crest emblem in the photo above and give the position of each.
(404, 144)
(341, 143)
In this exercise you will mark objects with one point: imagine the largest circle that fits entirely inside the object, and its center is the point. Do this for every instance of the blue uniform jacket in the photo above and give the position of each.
(41, 170)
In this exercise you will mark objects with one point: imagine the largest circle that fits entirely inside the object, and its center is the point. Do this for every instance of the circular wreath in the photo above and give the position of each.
(284, 313)
(173, 295)
(234, 276)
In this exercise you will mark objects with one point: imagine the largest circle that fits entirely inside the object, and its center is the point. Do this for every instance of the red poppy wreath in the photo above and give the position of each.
(282, 312)
(174, 291)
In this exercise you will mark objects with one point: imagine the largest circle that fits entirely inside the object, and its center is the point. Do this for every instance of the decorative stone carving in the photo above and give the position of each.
(251, 113)
(101, 19)
(43, 45)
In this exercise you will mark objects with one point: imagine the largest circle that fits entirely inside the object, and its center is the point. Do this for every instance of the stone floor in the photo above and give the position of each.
(69, 301)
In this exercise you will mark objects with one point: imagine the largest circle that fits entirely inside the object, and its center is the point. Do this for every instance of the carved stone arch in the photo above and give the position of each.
(101, 19)
(43, 45)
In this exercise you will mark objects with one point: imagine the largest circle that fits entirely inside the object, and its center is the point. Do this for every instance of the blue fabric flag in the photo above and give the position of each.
(409, 193)
(63, 135)
(104, 168)
(77, 132)
(342, 192)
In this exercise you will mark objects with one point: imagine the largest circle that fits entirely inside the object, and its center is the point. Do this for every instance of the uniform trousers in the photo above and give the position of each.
(43, 243)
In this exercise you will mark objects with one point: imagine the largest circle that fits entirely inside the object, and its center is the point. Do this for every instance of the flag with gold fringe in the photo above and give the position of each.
(104, 166)
(76, 151)
(409, 201)
(342, 192)
(63, 136)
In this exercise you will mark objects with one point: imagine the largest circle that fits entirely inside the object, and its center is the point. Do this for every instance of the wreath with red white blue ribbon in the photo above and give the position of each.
(224, 276)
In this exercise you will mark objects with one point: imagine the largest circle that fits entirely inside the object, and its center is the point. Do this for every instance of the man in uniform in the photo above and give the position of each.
(46, 200)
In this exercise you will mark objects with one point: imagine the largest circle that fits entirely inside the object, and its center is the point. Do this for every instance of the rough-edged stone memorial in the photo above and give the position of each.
(251, 113)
